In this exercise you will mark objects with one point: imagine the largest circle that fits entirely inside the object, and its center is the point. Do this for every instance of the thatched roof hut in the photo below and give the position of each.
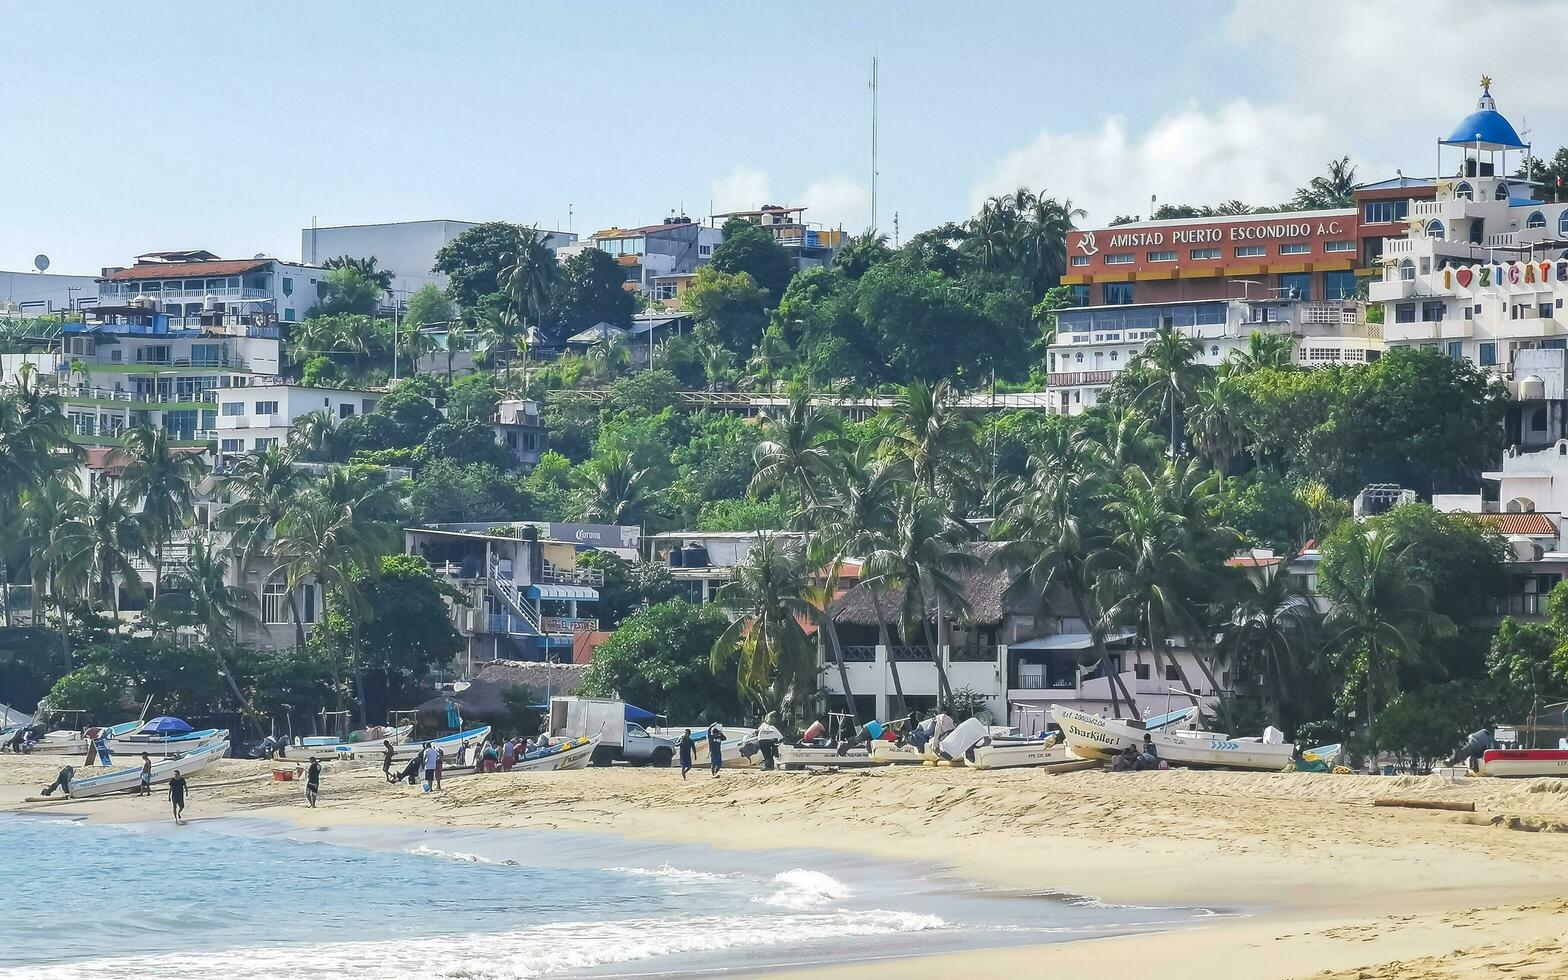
(484, 696)
(984, 587)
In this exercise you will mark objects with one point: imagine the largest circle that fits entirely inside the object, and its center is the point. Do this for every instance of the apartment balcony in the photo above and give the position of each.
(1069, 379)
(1430, 330)
(95, 393)
(1399, 246)
(593, 577)
(1389, 290)
(1451, 209)
(225, 294)
(1534, 326)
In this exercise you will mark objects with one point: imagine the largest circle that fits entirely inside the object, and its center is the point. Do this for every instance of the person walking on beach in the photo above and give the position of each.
(440, 766)
(432, 757)
(312, 781)
(387, 752)
(685, 745)
(177, 796)
(102, 743)
(62, 781)
(715, 748)
(146, 787)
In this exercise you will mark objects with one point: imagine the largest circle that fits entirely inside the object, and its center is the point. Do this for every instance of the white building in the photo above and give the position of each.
(28, 294)
(660, 259)
(1483, 273)
(703, 562)
(258, 417)
(1093, 344)
(187, 285)
(405, 248)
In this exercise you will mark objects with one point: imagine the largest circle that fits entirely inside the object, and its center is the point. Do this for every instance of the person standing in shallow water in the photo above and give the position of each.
(177, 796)
(685, 745)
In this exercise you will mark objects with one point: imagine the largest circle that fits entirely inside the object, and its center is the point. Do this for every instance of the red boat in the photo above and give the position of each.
(1525, 762)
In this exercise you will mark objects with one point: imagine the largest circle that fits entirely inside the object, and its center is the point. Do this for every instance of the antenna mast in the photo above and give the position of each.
(873, 142)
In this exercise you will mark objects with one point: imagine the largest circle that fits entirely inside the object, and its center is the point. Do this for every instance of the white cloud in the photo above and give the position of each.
(836, 201)
(1258, 155)
(742, 189)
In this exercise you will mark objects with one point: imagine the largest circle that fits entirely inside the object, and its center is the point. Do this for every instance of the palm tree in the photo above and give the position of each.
(1378, 613)
(162, 479)
(528, 278)
(1270, 622)
(312, 435)
(924, 557)
(458, 337)
(717, 363)
(366, 267)
(263, 488)
(774, 662)
(414, 344)
(1265, 351)
(797, 451)
(609, 355)
(1043, 240)
(613, 493)
(95, 545)
(927, 427)
(1169, 370)
(36, 449)
(505, 332)
(773, 354)
(1215, 425)
(201, 594)
(1334, 189)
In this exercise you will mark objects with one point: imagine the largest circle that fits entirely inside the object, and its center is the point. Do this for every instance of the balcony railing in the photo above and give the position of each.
(1518, 605)
(1067, 379)
(858, 654)
(572, 576)
(908, 654)
(136, 397)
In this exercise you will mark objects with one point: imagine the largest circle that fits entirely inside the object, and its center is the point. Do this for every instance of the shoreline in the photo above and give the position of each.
(1325, 881)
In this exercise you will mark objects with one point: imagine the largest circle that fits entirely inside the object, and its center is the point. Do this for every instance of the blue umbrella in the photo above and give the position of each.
(164, 725)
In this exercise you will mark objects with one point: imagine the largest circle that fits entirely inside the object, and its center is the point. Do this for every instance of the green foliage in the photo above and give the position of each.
(645, 391)
(119, 671)
(1431, 722)
(410, 406)
(320, 371)
(94, 689)
(407, 631)
(729, 308)
(592, 289)
(743, 514)
(466, 442)
(749, 249)
(428, 305)
(446, 491)
(681, 357)
(658, 660)
(293, 681)
(473, 396)
(548, 487)
(473, 260)
(573, 425)
(1522, 655)
(716, 463)
(1263, 507)
(347, 290)
(31, 660)
(628, 586)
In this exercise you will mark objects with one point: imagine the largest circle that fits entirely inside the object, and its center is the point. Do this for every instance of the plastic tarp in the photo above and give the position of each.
(164, 725)
(963, 738)
(634, 713)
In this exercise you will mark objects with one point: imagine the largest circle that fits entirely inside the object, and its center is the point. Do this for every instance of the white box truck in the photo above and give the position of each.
(572, 717)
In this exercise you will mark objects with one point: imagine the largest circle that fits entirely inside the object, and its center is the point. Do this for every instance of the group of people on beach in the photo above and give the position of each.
(177, 786)
(687, 747)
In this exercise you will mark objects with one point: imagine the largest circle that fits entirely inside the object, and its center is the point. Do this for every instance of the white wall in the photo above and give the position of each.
(407, 248)
(42, 292)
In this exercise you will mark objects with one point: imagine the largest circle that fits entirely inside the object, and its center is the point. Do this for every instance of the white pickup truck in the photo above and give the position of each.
(572, 717)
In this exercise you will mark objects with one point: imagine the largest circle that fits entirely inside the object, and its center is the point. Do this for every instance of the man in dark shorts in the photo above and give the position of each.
(146, 780)
(177, 796)
(312, 781)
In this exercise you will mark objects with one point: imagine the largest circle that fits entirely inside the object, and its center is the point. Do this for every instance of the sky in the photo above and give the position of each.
(128, 128)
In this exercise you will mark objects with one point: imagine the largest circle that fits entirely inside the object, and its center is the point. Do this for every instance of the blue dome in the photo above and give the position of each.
(1486, 126)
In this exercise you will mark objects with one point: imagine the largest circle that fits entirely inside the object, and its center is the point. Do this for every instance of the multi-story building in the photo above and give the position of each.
(407, 249)
(30, 294)
(526, 590)
(1482, 274)
(808, 244)
(187, 286)
(659, 260)
(123, 366)
(258, 416)
(703, 562)
(519, 427)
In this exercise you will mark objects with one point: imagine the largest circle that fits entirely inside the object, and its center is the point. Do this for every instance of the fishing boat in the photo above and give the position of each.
(1092, 736)
(165, 736)
(885, 753)
(570, 754)
(66, 742)
(801, 756)
(733, 739)
(1519, 763)
(163, 770)
(367, 742)
(1013, 751)
(450, 745)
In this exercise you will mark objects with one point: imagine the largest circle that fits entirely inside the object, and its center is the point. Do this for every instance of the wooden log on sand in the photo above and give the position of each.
(1454, 805)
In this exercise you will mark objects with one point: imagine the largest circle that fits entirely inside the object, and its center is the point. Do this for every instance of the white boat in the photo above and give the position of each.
(570, 754)
(733, 737)
(66, 742)
(120, 780)
(371, 743)
(1012, 751)
(885, 753)
(136, 743)
(450, 745)
(1092, 736)
(801, 756)
(1522, 763)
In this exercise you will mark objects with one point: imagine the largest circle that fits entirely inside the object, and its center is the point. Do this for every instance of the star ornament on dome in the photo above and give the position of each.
(1486, 82)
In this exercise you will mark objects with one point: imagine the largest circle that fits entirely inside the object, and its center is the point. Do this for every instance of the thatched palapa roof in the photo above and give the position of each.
(984, 587)
(483, 696)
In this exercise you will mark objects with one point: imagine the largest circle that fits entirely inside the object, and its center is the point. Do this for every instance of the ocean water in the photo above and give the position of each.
(239, 899)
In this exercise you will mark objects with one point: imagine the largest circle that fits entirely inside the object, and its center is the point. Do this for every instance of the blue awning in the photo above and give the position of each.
(546, 591)
(634, 713)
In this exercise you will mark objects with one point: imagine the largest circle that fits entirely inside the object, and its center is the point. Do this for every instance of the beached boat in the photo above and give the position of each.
(370, 742)
(571, 754)
(885, 753)
(135, 743)
(1520, 763)
(450, 745)
(1092, 736)
(801, 756)
(1013, 751)
(129, 778)
(66, 742)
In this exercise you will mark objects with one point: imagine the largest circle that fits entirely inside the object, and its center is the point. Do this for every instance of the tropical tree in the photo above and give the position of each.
(613, 490)
(366, 267)
(505, 332)
(312, 435)
(797, 450)
(1272, 621)
(1168, 371)
(200, 594)
(96, 545)
(926, 426)
(528, 277)
(766, 645)
(1215, 424)
(1265, 351)
(1335, 188)
(161, 479)
(263, 489)
(609, 355)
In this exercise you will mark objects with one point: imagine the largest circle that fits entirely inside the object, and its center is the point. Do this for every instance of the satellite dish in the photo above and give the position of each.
(40, 262)
(260, 255)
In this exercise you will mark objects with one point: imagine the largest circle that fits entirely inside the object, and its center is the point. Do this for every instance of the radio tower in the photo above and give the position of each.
(873, 142)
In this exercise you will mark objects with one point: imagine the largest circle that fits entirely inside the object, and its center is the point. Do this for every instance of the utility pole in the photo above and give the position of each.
(873, 142)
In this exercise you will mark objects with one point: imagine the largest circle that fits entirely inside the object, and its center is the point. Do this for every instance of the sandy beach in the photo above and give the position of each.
(1329, 884)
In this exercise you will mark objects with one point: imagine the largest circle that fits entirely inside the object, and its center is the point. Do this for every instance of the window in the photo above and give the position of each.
(1562, 224)
(1118, 293)
(263, 443)
(1080, 260)
(1296, 285)
(1538, 420)
(1536, 220)
(1469, 313)
(232, 409)
(345, 411)
(1407, 270)
(1251, 251)
(1464, 192)
(288, 314)
(1386, 211)
(1434, 229)
(1488, 354)
(1295, 248)
(1405, 313)
(664, 290)
(266, 408)
(1456, 350)
(1433, 310)
(1080, 294)
(1214, 351)
(1339, 285)
(1172, 672)
(208, 355)
(1114, 356)
(1165, 256)
(232, 445)
(1120, 258)
(1205, 254)
(1140, 671)
(153, 354)
(1544, 311)
(1347, 246)
(1501, 194)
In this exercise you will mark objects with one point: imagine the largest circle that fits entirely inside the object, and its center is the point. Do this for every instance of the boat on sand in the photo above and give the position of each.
(129, 778)
(1092, 736)
(801, 756)
(1519, 763)
(571, 754)
(367, 742)
(1014, 751)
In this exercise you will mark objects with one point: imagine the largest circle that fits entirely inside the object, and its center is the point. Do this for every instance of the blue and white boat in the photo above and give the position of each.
(166, 736)
(121, 780)
(450, 745)
(370, 743)
(66, 742)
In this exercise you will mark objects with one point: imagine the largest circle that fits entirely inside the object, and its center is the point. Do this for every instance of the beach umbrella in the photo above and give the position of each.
(164, 725)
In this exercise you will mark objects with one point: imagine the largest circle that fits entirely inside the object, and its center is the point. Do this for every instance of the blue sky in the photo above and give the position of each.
(132, 127)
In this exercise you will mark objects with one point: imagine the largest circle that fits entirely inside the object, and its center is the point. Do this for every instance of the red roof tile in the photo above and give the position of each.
(1529, 524)
(179, 270)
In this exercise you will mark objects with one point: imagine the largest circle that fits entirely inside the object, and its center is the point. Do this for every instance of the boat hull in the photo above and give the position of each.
(1015, 753)
(1524, 763)
(1092, 736)
(450, 745)
(885, 753)
(164, 747)
(123, 780)
(573, 755)
(368, 748)
(799, 757)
